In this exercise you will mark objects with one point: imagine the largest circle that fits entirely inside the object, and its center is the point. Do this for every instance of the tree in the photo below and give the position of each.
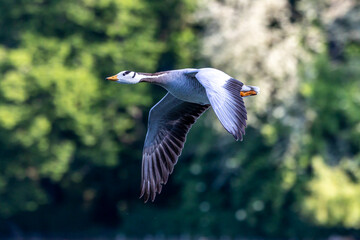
(68, 137)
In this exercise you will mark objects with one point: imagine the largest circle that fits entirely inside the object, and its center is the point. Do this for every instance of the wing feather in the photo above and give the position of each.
(169, 122)
(223, 93)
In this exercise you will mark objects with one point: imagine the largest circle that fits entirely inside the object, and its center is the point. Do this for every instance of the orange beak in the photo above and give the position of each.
(112, 78)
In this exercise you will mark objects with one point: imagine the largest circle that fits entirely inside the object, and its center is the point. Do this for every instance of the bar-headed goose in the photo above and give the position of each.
(190, 93)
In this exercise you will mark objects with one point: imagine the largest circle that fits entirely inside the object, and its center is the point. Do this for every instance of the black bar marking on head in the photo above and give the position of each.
(125, 73)
(134, 75)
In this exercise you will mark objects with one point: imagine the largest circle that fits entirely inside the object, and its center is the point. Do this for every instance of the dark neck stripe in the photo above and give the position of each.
(154, 74)
(155, 78)
(150, 80)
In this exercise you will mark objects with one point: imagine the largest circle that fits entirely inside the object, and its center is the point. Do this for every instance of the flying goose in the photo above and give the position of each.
(190, 93)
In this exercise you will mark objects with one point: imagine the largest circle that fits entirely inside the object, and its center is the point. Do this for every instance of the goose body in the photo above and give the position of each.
(185, 87)
(190, 93)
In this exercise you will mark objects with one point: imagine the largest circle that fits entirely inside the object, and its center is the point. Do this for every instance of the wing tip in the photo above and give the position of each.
(150, 193)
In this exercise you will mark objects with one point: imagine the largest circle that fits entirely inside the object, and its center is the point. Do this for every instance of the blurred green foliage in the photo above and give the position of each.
(331, 140)
(70, 142)
(61, 124)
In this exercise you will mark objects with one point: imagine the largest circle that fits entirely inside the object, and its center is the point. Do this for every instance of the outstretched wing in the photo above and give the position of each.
(223, 93)
(169, 122)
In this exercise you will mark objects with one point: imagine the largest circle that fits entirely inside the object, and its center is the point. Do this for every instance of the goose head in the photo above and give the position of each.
(125, 77)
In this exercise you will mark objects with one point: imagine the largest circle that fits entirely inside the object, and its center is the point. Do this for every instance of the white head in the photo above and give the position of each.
(126, 77)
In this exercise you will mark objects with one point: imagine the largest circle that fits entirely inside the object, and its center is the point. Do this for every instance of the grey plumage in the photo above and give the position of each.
(190, 93)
